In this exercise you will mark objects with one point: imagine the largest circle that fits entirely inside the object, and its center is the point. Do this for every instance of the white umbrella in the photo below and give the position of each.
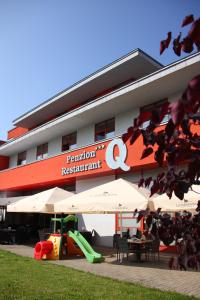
(112, 197)
(6, 201)
(174, 204)
(42, 202)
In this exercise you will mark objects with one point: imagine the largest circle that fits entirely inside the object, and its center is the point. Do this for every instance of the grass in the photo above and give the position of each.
(26, 279)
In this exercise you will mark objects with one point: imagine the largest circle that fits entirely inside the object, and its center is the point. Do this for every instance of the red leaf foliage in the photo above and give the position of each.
(177, 45)
(155, 188)
(169, 129)
(176, 141)
(165, 43)
(194, 83)
(187, 20)
(177, 112)
(185, 125)
(127, 135)
(140, 216)
(162, 47)
(191, 96)
(146, 152)
(144, 116)
(159, 157)
(194, 32)
(179, 194)
(147, 181)
(187, 45)
(141, 182)
(198, 206)
(135, 135)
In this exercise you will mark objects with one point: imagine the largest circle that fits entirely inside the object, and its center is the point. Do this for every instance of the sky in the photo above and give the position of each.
(47, 45)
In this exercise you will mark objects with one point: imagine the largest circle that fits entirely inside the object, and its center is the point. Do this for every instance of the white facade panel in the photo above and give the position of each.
(54, 146)
(13, 161)
(124, 120)
(174, 97)
(103, 224)
(85, 136)
(31, 155)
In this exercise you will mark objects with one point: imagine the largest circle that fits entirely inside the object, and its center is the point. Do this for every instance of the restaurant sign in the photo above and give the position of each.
(82, 161)
(118, 161)
(84, 156)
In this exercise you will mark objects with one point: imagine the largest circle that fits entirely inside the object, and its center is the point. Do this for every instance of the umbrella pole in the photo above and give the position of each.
(54, 224)
(120, 214)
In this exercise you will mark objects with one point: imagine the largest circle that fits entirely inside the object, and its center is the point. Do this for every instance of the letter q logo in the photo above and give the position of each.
(119, 160)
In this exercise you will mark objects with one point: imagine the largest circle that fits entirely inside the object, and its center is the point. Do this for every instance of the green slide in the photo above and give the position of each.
(89, 253)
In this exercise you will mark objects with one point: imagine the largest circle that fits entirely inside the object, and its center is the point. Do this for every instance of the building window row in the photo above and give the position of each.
(42, 151)
(21, 159)
(160, 107)
(69, 142)
(103, 130)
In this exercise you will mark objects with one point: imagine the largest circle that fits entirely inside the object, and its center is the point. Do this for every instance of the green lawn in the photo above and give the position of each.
(24, 278)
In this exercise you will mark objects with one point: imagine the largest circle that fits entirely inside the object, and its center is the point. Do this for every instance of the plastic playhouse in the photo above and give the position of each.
(64, 244)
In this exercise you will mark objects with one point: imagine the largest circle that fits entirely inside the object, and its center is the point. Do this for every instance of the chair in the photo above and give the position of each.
(116, 236)
(154, 249)
(122, 248)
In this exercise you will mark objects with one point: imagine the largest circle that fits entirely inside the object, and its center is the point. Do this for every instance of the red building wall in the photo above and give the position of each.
(16, 132)
(4, 162)
(49, 171)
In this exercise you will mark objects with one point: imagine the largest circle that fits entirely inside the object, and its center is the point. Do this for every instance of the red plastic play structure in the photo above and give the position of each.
(42, 248)
(58, 245)
(62, 245)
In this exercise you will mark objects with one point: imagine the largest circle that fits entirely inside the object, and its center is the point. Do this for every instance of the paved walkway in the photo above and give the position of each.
(151, 274)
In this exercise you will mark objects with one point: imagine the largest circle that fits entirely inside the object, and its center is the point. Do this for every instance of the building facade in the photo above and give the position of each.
(73, 140)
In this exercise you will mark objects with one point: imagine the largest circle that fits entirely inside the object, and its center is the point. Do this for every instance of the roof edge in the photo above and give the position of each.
(144, 54)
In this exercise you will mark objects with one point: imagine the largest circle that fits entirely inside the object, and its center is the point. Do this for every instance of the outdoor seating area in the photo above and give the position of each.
(143, 249)
(138, 237)
(126, 257)
(7, 235)
(18, 234)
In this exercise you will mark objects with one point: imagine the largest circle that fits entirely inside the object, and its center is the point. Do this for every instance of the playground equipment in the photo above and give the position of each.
(64, 244)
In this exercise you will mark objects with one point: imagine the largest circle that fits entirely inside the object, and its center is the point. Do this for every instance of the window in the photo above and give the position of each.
(127, 221)
(105, 130)
(21, 159)
(160, 109)
(42, 151)
(69, 142)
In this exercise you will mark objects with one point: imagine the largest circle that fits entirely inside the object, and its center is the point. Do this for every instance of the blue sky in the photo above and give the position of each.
(47, 45)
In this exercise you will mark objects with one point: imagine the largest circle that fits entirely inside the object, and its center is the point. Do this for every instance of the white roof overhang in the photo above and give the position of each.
(133, 65)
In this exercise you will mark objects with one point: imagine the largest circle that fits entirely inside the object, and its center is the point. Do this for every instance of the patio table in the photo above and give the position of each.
(138, 243)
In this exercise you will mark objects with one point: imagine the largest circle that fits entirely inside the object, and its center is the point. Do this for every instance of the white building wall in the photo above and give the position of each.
(13, 161)
(54, 146)
(174, 97)
(31, 155)
(103, 224)
(85, 136)
(124, 120)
